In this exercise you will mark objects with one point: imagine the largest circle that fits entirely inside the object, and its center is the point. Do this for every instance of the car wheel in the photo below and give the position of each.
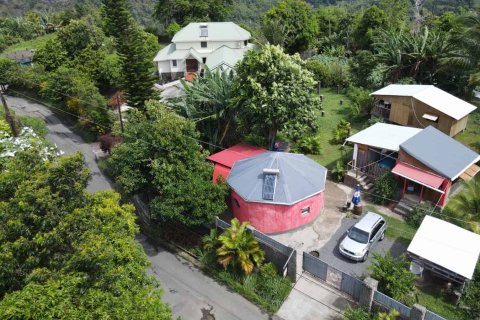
(365, 257)
(382, 236)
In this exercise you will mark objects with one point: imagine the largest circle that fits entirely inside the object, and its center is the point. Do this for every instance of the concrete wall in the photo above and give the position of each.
(274, 218)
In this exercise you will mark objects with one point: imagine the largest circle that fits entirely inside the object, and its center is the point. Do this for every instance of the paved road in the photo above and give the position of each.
(330, 253)
(63, 138)
(191, 294)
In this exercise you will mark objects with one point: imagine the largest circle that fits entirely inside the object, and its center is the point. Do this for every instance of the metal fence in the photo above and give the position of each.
(282, 256)
(333, 276)
(432, 316)
(390, 303)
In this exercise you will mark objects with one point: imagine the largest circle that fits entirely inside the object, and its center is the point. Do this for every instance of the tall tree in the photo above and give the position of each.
(185, 11)
(130, 43)
(372, 20)
(168, 166)
(298, 25)
(276, 92)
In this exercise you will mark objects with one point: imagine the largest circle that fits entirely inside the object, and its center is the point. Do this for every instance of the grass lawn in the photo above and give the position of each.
(30, 44)
(471, 136)
(334, 112)
(436, 301)
(397, 229)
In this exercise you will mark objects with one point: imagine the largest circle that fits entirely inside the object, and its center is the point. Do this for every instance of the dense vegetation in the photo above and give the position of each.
(71, 252)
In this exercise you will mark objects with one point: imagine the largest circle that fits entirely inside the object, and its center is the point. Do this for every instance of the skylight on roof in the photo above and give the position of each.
(269, 182)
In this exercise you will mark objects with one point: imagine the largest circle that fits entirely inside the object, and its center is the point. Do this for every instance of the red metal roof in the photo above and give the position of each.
(427, 179)
(229, 156)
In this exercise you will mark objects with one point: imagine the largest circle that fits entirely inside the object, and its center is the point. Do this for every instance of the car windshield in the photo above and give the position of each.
(358, 235)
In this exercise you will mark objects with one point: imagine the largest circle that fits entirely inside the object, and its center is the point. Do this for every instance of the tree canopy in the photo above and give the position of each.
(183, 12)
(290, 24)
(72, 253)
(161, 158)
(276, 93)
(133, 48)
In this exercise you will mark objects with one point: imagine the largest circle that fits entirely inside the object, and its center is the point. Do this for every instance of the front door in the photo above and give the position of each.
(192, 65)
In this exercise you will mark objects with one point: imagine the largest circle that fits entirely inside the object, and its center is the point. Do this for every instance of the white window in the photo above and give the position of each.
(174, 63)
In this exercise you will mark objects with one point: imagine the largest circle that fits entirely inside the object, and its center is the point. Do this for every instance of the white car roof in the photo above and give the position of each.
(367, 221)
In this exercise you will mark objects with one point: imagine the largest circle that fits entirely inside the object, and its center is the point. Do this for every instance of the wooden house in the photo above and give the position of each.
(428, 163)
(421, 106)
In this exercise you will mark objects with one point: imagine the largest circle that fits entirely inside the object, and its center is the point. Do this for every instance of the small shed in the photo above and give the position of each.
(445, 249)
(277, 191)
(225, 159)
(422, 106)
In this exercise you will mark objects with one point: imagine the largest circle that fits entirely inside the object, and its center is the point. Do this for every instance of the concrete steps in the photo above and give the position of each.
(403, 208)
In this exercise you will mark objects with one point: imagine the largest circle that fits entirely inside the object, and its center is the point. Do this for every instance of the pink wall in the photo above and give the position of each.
(273, 218)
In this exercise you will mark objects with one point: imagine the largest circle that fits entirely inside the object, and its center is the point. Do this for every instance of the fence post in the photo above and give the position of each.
(418, 312)
(369, 288)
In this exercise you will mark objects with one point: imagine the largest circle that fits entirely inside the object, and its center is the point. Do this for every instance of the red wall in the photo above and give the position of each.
(274, 218)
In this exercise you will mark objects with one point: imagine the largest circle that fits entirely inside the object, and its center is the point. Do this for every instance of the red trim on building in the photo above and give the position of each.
(417, 175)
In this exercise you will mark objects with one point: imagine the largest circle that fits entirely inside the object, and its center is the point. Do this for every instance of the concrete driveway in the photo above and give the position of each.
(329, 251)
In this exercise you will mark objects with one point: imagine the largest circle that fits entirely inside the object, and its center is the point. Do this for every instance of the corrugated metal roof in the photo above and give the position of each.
(432, 96)
(217, 31)
(427, 179)
(229, 156)
(384, 136)
(299, 177)
(440, 152)
(171, 53)
(446, 245)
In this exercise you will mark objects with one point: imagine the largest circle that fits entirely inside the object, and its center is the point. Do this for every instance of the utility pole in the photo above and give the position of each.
(8, 116)
(119, 112)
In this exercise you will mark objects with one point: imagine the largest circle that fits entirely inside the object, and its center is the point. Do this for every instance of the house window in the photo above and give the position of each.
(430, 117)
(203, 44)
(174, 63)
(245, 43)
(204, 60)
(236, 202)
(305, 211)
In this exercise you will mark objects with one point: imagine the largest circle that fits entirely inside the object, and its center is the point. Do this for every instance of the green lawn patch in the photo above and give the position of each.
(30, 44)
(397, 229)
(437, 301)
(334, 113)
(471, 136)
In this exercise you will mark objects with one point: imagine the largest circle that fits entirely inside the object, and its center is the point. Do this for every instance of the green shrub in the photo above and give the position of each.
(338, 172)
(38, 125)
(308, 145)
(361, 100)
(415, 217)
(342, 131)
(172, 28)
(356, 314)
(331, 71)
(385, 188)
(4, 127)
(394, 278)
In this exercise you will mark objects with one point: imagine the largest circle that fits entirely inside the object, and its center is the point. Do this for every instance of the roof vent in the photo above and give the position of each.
(269, 183)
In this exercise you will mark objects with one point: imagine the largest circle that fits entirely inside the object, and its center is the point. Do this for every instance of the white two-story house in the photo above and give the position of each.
(199, 44)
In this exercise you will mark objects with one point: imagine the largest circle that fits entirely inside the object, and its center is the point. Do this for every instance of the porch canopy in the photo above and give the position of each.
(446, 249)
(419, 176)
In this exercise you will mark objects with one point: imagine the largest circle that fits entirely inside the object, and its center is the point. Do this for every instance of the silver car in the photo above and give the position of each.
(356, 244)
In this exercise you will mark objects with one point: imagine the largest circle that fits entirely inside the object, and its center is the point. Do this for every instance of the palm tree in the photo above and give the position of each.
(466, 205)
(239, 248)
(207, 101)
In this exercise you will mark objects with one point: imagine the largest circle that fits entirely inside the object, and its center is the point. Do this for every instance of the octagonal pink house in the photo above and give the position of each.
(277, 191)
